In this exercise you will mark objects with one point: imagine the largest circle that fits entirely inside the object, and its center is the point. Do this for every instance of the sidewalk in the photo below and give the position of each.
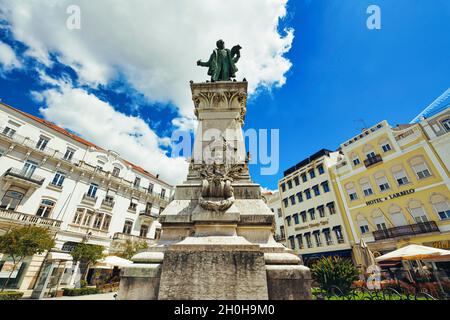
(103, 296)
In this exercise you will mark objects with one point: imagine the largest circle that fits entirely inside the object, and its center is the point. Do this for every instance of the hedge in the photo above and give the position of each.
(80, 291)
(10, 295)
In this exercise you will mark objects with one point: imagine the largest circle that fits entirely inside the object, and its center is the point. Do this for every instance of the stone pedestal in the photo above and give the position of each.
(217, 234)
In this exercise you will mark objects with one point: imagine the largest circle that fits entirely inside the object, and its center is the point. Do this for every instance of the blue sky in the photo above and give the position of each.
(343, 76)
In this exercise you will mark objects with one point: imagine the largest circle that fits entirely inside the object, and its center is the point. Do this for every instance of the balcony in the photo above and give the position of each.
(124, 237)
(408, 230)
(108, 204)
(89, 199)
(372, 161)
(88, 231)
(24, 177)
(279, 238)
(27, 219)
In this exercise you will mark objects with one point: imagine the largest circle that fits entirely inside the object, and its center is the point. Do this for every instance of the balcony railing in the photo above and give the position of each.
(408, 230)
(108, 203)
(29, 219)
(147, 213)
(278, 237)
(132, 238)
(373, 160)
(89, 198)
(23, 175)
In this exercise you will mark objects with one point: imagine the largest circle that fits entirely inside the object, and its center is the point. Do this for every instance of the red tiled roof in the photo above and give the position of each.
(53, 126)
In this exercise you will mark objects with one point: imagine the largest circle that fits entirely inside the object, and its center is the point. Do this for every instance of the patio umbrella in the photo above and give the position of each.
(366, 256)
(113, 261)
(413, 252)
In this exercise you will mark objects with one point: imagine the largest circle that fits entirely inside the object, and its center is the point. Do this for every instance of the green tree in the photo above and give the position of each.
(131, 248)
(23, 242)
(87, 254)
(334, 271)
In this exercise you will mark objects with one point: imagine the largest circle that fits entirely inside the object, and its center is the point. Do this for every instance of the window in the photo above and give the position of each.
(352, 194)
(356, 161)
(280, 214)
(92, 191)
(11, 200)
(320, 169)
(286, 202)
(304, 177)
(282, 232)
(316, 190)
(127, 227)
(339, 236)
(42, 143)
(29, 168)
(296, 181)
(137, 182)
(308, 194)
(312, 174)
(288, 221)
(321, 210)
(299, 241)
(421, 170)
(46, 208)
(380, 223)
(289, 183)
(144, 231)
(295, 216)
(317, 238)
(400, 177)
(308, 239)
(383, 184)
(69, 154)
(150, 187)
(386, 147)
(367, 189)
(106, 222)
(371, 155)
(116, 172)
(328, 239)
(78, 218)
(133, 204)
(312, 214)
(292, 242)
(58, 179)
(292, 199)
(419, 215)
(300, 197)
(98, 221)
(9, 132)
(363, 225)
(326, 187)
(398, 219)
(446, 124)
(303, 215)
(163, 193)
(443, 210)
(331, 208)
(87, 218)
(148, 207)
(283, 187)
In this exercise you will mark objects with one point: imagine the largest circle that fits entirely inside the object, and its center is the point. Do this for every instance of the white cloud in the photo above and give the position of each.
(98, 122)
(266, 190)
(8, 58)
(155, 44)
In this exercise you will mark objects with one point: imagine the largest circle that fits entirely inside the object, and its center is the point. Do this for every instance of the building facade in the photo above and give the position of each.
(274, 203)
(52, 178)
(313, 220)
(394, 188)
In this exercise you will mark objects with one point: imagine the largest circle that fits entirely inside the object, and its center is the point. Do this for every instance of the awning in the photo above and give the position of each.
(414, 252)
(61, 256)
(113, 261)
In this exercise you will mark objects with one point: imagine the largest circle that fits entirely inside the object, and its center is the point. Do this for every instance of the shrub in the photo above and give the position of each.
(80, 292)
(334, 271)
(83, 283)
(10, 295)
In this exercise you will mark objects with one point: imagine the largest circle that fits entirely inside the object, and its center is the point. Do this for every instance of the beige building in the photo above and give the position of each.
(52, 178)
(313, 219)
(274, 203)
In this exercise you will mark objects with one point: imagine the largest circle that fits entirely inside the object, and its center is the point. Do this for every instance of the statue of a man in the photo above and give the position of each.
(222, 63)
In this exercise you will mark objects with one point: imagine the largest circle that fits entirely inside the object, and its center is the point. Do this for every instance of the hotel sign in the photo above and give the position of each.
(390, 197)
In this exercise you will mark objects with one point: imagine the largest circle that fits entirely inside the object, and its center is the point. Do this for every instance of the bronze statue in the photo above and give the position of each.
(222, 63)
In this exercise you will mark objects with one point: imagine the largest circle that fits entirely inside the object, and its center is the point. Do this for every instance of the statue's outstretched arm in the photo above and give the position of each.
(203, 64)
(237, 57)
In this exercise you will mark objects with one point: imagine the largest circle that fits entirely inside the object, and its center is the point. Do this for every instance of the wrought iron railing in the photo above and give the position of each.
(373, 160)
(24, 175)
(408, 230)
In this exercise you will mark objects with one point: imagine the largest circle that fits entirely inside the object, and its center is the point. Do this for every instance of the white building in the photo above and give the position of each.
(53, 178)
(274, 203)
(313, 218)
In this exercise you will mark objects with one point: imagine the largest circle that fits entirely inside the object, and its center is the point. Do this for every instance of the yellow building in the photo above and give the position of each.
(394, 188)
